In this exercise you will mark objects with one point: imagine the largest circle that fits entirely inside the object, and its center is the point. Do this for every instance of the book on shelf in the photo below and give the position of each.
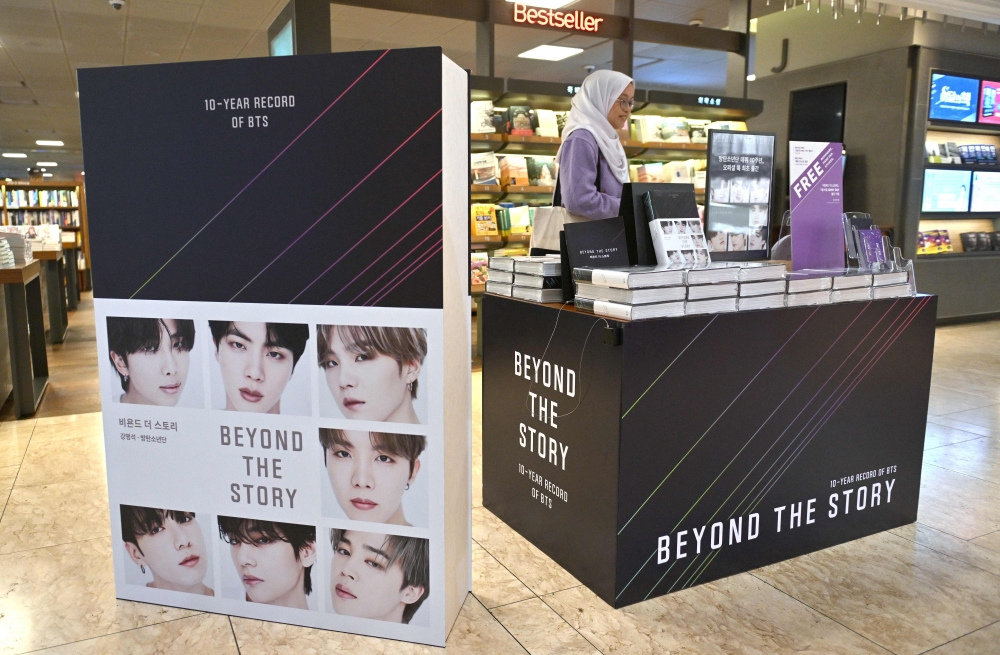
(539, 265)
(995, 240)
(632, 277)
(19, 245)
(514, 220)
(625, 312)
(547, 123)
(715, 306)
(760, 271)
(852, 294)
(800, 282)
(502, 263)
(806, 298)
(889, 279)
(891, 291)
(537, 295)
(630, 296)
(484, 220)
(770, 301)
(541, 171)
(499, 288)
(497, 275)
(977, 241)
(513, 170)
(484, 168)
(538, 281)
(478, 262)
(521, 120)
(707, 291)
(765, 288)
(481, 119)
(6, 255)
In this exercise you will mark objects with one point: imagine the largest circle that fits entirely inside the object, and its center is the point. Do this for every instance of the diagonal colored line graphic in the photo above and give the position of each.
(640, 571)
(278, 156)
(386, 252)
(718, 418)
(407, 272)
(668, 367)
(344, 197)
(358, 243)
(390, 269)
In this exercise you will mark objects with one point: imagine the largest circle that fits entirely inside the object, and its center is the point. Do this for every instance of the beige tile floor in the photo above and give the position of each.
(930, 587)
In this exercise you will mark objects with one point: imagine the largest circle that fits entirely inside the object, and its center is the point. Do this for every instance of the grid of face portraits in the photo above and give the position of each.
(683, 241)
(369, 480)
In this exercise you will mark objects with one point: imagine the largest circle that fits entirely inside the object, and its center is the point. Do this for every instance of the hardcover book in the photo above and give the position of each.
(773, 301)
(481, 119)
(716, 306)
(538, 281)
(892, 291)
(633, 277)
(521, 120)
(806, 282)
(499, 288)
(513, 170)
(706, 291)
(536, 295)
(630, 296)
(484, 220)
(714, 273)
(540, 265)
(851, 295)
(765, 288)
(889, 279)
(679, 242)
(498, 275)
(484, 168)
(630, 312)
(808, 298)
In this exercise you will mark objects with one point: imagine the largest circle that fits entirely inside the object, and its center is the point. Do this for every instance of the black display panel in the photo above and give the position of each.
(818, 114)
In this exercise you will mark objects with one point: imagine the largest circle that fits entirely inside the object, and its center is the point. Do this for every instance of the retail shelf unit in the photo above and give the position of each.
(556, 96)
(30, 203)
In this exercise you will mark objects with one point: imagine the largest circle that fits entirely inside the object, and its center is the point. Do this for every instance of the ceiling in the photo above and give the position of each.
(44, 42)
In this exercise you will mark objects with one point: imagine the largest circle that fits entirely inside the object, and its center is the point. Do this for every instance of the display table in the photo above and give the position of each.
(650, 456)
(71, 252)
(25, 335)
(55, 289)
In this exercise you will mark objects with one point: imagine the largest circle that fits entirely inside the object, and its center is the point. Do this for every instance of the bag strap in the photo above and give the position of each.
(557, 192)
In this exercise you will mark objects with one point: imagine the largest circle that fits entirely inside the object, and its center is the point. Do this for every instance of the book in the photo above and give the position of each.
(502, 264)
(538, 281)
(995, 240)
(541, 171)
(481, 118)
(499, 288)
(484, 220)
(540, 265)
(670, 203)
(758, 271)
(871, 247)
(484, 168)
(889, 279)
(799, 282)
(679, 242)
(515, 220)
(770, 301)
(970, 241)
(521, 120)
(706, 291)
(536, 295)
(891, 291)
(698, 129)
(808, 298)
(630, 296)
(650, 172)
(851, 295)
(714, 273)
(764, 288)
(985, 242)
(715, 306)
(548, 123)
(497, 275)
(513, 170)
(478, 263)
(632, 277)
(630, 312)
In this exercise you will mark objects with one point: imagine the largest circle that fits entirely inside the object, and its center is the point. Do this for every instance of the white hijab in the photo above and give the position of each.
(589, 111)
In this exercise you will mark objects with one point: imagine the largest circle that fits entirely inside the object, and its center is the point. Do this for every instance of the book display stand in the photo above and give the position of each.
(650, 456)
(291, 356)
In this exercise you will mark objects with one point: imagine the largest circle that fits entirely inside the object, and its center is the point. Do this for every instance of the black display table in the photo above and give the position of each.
(25, 335)
(651, 456)
(55, 289)
(72, 276)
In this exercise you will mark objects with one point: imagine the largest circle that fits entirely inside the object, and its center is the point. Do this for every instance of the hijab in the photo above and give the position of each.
(590, 107)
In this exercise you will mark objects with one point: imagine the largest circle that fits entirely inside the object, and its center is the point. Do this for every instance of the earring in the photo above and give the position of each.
(409, 386)
(407, 486)
(142, 567)
(126, 379)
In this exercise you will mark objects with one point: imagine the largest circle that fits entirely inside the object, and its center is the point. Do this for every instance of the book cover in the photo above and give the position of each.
(670, 203)
(970, 241)
(521, 120)
(484, 168)
(995, 240)
(481, 120)
(541, 171)
(984, 241)
(679, 242)
(484, 220)
(513, 170)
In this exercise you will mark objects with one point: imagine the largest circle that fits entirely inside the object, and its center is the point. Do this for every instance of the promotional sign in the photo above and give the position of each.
(816, 181)
(946, 191)
(277, 246)
(691, 449)
(953, 98)
(738, 183)
(985, 191)
(989, 112)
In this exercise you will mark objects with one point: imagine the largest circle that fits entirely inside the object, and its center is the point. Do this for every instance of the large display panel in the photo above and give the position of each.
(816, 203)
(946, 191)
(989, 112)
(953, 98)
(985, 191)
(273, 295)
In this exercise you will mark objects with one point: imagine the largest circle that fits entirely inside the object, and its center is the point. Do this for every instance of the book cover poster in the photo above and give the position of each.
(738, 202)
(816, 174)
(270, 286)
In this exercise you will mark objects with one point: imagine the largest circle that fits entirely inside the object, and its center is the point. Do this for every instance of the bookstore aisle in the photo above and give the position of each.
(931, 587)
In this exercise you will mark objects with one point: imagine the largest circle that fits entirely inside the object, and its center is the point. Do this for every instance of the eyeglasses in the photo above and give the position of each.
(626, 103)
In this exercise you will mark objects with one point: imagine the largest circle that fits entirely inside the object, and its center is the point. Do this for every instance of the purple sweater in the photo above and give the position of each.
(578, 177)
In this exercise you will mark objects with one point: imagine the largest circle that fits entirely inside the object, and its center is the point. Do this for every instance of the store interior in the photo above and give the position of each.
(848, 71)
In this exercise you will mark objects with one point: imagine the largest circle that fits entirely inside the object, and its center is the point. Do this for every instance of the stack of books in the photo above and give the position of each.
(19, 247)
(713, 288)
(6, 256)
(536, 279)
(891, 285)
(632, 293)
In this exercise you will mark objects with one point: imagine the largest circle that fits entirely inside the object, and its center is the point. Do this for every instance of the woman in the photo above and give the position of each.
(592, 165)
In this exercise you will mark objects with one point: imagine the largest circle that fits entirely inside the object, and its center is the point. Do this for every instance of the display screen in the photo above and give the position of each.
(818, 114)
(946, 191)
(283, 44)
(954, 98)
(986, 192)
(988, 110)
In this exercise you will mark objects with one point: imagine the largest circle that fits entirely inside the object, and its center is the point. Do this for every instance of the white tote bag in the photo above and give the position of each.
(549, 221)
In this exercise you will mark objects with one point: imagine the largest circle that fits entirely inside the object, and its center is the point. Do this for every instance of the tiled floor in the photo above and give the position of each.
(929, 587)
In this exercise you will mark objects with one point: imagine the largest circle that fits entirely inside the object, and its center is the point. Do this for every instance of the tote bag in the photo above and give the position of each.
(549, 221)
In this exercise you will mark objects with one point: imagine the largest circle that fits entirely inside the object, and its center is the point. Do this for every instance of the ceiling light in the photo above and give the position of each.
(751, 77)
(550, 52)
(9, 179)
(43, 142)
(543, 4)
(44, 169)
(46, 163)
(15, 155)
(46, 174)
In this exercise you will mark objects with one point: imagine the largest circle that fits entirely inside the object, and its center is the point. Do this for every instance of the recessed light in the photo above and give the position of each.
(46, 163)
(15, 155)
(43, 142)
(550, 52)
(543, 4)
(44, 169)
(751, 77)
(46, 174)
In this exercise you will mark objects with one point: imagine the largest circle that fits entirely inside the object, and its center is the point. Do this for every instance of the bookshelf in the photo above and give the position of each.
(53, 203)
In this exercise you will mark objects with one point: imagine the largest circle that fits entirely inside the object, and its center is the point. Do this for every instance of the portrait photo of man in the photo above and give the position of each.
(152, 359)
(167, 546)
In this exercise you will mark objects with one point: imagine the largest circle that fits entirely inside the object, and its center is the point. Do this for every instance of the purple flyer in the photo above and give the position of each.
(817, 203)
(872, 248)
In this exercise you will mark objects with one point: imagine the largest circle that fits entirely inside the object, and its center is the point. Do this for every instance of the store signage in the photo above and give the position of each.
(573, 20)
(706, 100)
(239, 413)
(816, 174)
(953, 98)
